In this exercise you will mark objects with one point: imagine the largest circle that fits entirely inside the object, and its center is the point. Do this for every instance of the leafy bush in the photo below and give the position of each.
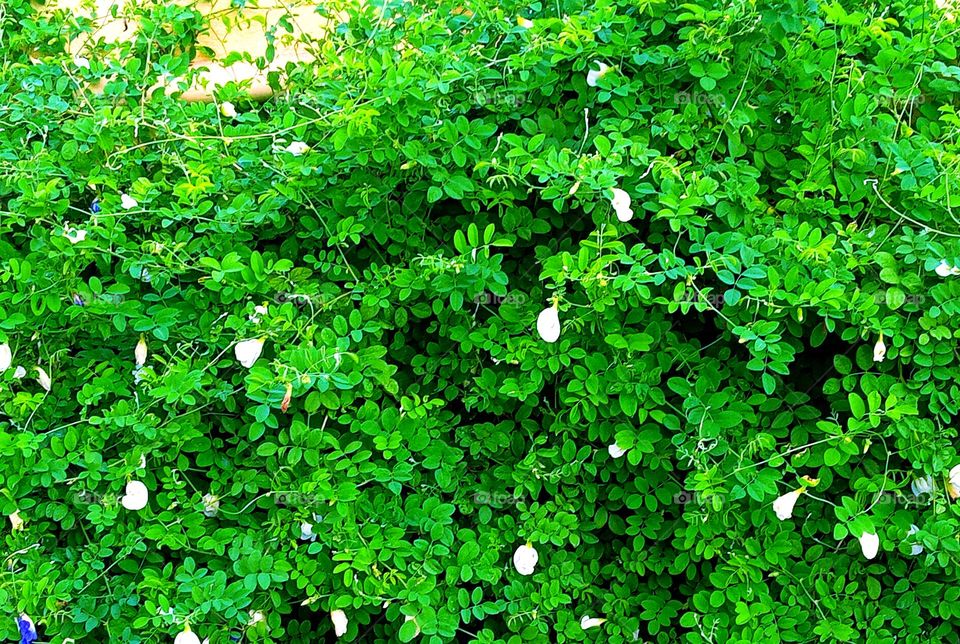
(388, 231)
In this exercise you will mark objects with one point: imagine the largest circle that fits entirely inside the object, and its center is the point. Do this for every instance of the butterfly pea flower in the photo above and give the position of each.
(228, 110)
(19, 372)
(340, 622)
(258, 311)
(524, 22)
(95, 206)
(211, 505)
(136, 496)
(594, 75)
(247, 351)
(621, 205)
(869, 544)
(6, 357)
(615, 451)
(81, 63)
(591, 622)
(922, 486)
(285, 404)
(879, 350)
(548, 324)
(78, 301)
(28, 632)
(525, 559)
(140, 352)
(416, 626)
(127, 202)
(953, 486)
(306, 532)
(256, 617)
(16, 522)
(75, 235)
(784, 504)
(297, 148)
(944, 269)
(43, 378)
(915, 549)
(186, 636)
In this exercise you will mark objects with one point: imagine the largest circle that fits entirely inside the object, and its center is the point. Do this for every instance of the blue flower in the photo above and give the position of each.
(95, 206)
(77, 300)
(28, 632)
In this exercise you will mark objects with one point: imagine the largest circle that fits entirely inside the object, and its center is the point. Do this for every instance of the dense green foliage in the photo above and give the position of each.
(792, 169)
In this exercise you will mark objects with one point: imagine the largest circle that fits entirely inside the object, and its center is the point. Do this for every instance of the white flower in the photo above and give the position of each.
(228, 110)
(306, 532)
(81, 62)
(590, 622)
(783, 506)
(915, 549)
(548, 324)
(297, 148)
(954, 482)
(248, 351)
(339, 619)
(593, 75)
(128, 203)
(525, 559)
(411, 618)
(524, 22)
(621, 204)
(19, 372)
(143, 461)
(869, 544)
(16, 522)
(6, 357)
(211, 505)
(75, 235)
(879, 350)
(615, 451)
(43, 378)
(943, 269)
(140, 352)
(257, 312)
(922, 486)
(256, 617)
(187, 636)
(136, 496)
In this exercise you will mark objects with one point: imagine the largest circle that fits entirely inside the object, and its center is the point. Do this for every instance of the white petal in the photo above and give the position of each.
(915, 549)
(136, 496)
(19, 372)
(922, 486)
(81, 62)
(74, 235)
(306, 532)
(6, 357)
(590, 622)
(593, 75)
(187, 637)
(248, 351)
(616, 451)
(879, 351)
(43, 378)
(943, 269)
(548, 324)
(525, 559)
(128, 203)
(228, 110)
(339, 619)
(869, 544)
(297, 148)
(783, 506)
(140, 352)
